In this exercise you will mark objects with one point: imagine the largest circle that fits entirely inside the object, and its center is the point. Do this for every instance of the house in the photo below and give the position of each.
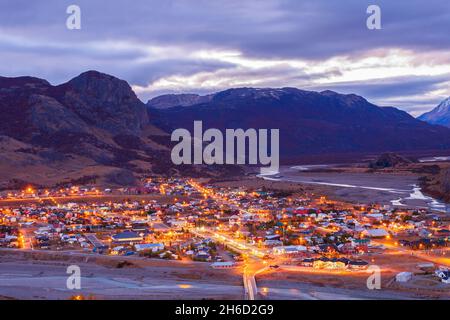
(271, 243)
(234, 219)
(374, 217)
(127, 237)
(443, 233)
(326, 263)
(154, 247)
(429, 266)
(288, 250)
(301, 211)
(424, 233)
(444, 275)
(272, 237)
(346, 248)
(308, 262)
(246, 217)
(168, 255)
(328, 248)
(178, 223)
(357, 265)
(202, 255)
(117, 250)
(375, 233)
(360, 242)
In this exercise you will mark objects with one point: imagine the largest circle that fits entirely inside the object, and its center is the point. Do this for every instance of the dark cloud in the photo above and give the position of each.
(118, 37)
(386, 92)
(311, 29)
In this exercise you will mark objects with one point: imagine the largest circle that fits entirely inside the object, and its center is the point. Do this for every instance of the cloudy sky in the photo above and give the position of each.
(202, 46)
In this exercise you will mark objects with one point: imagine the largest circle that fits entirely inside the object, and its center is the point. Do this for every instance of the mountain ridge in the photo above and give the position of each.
(310, 122)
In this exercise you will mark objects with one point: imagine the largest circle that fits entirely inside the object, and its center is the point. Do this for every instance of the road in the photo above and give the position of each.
(12, 202)
(253, 263)
(210, 194)
(25, 238)
(250, 286)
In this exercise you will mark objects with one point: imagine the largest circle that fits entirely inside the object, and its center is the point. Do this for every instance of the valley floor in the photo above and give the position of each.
(44, 277)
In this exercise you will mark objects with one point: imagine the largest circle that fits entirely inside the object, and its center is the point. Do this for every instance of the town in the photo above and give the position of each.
(254, 231)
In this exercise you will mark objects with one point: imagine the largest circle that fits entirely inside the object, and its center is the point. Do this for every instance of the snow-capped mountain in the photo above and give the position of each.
(439, 115)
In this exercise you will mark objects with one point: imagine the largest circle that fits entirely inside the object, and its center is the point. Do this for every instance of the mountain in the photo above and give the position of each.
(439, 115)
(33, 109)
(310, 123)
(92, 128)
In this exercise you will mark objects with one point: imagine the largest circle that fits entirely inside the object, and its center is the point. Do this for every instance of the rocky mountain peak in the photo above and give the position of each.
(104, 100)
(439, 115)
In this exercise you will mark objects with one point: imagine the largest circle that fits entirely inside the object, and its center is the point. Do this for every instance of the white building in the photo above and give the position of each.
(288, 250)
(149, 246)
(375, 233)
(403, 277)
